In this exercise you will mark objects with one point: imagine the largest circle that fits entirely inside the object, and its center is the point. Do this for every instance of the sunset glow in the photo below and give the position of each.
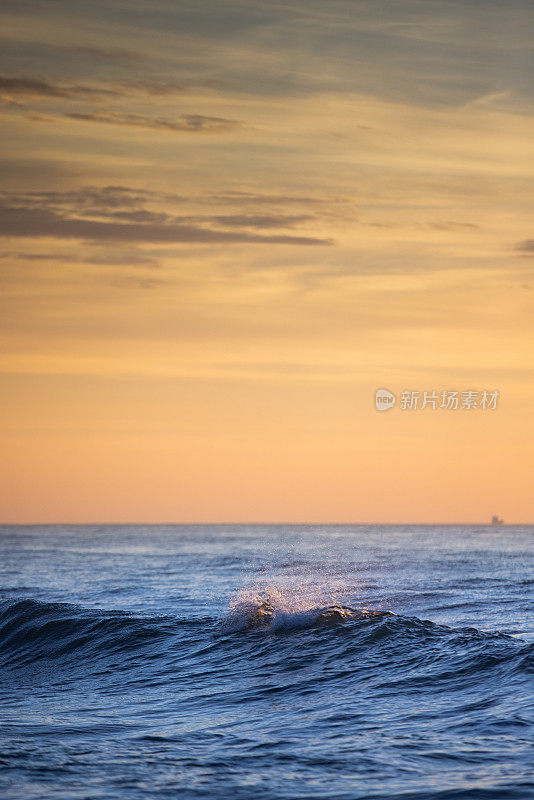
(224, 229)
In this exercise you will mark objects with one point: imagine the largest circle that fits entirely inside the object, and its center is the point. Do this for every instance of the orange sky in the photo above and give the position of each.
(225, 225)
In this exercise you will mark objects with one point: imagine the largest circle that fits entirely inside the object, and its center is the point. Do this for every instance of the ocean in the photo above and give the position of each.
(258, 662)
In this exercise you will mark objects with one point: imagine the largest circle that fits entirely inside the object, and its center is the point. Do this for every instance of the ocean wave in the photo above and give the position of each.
(276, 611)
(409, 653)
(406, 651)
(32, 629)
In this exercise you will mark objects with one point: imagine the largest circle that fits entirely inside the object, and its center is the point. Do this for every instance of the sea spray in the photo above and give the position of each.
(277, 608)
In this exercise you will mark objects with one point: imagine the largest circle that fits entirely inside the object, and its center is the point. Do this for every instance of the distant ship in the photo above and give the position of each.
(496, 522)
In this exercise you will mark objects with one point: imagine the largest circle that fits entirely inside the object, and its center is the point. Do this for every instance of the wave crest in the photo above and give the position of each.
(276, 610)
(32, 629)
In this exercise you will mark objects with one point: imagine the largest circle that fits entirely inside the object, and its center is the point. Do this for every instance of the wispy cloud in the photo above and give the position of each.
(128, 282)
(28, 222)
(188, 123)
(27, 87)
(526, 247)
(153, 211)
(55, 49)
(161, 88)
(108, 258)
(111, 197)
(86, 198)
(260, 221)
(32, 86)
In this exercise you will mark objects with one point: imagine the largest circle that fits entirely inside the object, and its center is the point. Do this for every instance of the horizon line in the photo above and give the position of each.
(269, 524)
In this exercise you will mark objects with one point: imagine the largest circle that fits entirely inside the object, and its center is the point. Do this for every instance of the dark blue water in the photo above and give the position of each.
(266, 662)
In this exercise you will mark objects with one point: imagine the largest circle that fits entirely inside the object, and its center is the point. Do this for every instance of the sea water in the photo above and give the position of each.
(263, 662)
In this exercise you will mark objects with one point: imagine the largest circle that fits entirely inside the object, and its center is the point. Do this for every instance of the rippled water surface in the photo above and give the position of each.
(262, 662)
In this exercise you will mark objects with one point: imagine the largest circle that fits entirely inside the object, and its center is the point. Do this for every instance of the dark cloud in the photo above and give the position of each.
(142, 215)
(15, 89)
(112, 259)
(121, 260)
(37, 49)
(23, 221)
(451, 226)
(127, 197)
(37, 256)
(526, 247)
(139, 215)
(163, 87)
(235, 197)
(129, 204)
(154, 87)
(263, 221)
(86, 199)
(186, 123)
(35, 87)
(124, 282)
(406, 51)
(121, 214)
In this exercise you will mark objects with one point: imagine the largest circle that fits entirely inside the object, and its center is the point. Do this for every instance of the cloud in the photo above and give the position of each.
(87, 198)
(526, 247)
(26, 87)
(154, 87)
(142, 215)
(121, 260)
(260, 221)
(21, 172)
(161, 88)
(129, 205)
(121, 214)
(139, 215)
(128, 197)
(35, 87)
(37, 256)
(112, 259)
(23, 221)
(125, 282)
(235, 197)
(38, 48)
(186, 123)
(451, 226)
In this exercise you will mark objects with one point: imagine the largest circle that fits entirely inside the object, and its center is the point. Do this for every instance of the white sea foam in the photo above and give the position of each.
(278, 609)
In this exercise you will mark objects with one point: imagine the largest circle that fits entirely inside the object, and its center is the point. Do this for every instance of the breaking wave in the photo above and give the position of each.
(276, 610)
(279, 659)
(32, 631)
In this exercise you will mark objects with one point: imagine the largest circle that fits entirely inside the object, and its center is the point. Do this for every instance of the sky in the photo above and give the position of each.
(224, 225)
